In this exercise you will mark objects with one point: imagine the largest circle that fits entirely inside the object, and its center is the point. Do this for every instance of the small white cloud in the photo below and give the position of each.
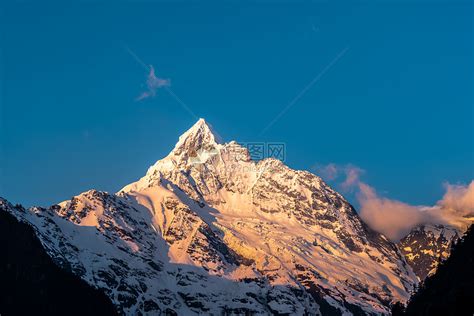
(353, 174)
(328, 172)
(153, 83)
(332, 171)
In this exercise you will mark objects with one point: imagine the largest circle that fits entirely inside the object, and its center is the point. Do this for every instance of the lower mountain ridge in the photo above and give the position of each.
(208, 230)
(426, 246)
(450, 290)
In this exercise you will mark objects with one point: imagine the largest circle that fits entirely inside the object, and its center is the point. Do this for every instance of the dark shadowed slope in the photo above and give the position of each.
(450, 291)
(31, 284)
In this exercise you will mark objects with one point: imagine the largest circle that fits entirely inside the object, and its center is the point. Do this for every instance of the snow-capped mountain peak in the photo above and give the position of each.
(200, 134)
(208, 230)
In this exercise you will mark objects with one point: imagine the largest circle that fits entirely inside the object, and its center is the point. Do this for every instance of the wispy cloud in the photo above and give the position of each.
(153, 83)
(395, 218)
(328, 172)
(332, 171)
(353, 174)
(458, 204)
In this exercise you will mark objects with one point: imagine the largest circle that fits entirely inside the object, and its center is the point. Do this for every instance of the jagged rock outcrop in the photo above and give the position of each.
(426, 246)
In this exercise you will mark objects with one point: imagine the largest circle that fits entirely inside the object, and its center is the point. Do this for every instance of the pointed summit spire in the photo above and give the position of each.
(201, 133)
(201, 125)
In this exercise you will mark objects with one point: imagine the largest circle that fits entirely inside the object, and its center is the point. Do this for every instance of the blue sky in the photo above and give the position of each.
(398, 102)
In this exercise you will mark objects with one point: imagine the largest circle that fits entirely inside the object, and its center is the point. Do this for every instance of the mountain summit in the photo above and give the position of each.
(200, 133)
(209, 230)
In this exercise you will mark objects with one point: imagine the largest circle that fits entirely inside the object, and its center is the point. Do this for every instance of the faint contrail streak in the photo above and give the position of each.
(147, 67)
(305, 89)
(181, 102)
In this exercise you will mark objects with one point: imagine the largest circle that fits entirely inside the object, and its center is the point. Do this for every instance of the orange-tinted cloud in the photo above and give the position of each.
(457, 204)
(353, 174)
(327, 172)
(333, 171)
(394, 218)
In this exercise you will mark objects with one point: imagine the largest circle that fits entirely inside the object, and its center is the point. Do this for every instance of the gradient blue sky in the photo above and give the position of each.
(398, 103)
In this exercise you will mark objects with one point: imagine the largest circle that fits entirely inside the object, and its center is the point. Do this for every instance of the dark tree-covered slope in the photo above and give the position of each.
(450, 291)
(31, 284)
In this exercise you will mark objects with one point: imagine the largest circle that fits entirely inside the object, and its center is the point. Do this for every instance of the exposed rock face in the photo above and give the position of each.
(426, 245)
(449, 291)
(208, 230)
